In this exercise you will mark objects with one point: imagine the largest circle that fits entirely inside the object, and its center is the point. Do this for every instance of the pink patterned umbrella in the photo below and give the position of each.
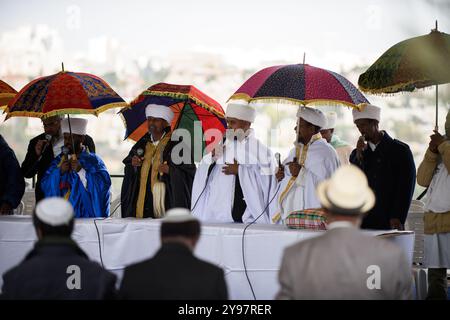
(300, 84)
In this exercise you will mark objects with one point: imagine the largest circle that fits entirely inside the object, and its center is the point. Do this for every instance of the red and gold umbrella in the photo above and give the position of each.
(64, 93)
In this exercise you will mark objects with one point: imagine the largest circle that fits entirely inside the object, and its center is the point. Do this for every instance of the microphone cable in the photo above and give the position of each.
(243, 238)
(98, 237)
(210, 169)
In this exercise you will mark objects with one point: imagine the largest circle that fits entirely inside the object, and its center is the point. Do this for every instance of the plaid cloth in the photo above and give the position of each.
(312, 219)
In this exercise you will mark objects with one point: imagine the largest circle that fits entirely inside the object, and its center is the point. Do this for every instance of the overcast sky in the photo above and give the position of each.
(241, 30)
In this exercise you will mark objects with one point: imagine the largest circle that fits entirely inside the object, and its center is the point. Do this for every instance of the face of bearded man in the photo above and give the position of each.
(78, 140)
(156, 126)
(237, 129)
(52, 126)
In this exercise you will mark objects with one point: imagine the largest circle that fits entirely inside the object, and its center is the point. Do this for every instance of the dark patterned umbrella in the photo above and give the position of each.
(414, 63)
(300, 84)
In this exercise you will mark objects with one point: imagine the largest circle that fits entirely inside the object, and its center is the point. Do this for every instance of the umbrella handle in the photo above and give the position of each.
(436, 127)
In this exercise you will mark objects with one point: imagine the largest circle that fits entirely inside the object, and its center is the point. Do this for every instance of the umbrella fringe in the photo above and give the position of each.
(5, 98)
(278, 100)
(178, 95)
(63, 111)
(7, 95)
(393, 89)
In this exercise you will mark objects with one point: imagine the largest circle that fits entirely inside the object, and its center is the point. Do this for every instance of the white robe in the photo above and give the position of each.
(213, 201)
(321, 161)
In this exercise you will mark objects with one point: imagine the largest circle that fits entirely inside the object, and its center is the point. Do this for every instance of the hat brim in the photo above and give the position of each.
(323, 198)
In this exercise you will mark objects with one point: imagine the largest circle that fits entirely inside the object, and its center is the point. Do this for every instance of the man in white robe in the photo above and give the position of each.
(343, 149)
(311, 161)
(236, 182)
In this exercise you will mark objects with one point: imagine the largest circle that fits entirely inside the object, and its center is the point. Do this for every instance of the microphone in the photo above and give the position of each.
(65, 151)
(48, 137)
(139, 153)
(278, 158)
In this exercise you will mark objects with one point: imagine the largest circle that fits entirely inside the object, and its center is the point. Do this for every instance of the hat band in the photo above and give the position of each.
(334, 208)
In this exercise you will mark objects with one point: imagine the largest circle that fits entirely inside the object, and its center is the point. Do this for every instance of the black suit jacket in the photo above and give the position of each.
(12, 184)
(45, 272)
(174, 273)
(31, 166)
(391, 174)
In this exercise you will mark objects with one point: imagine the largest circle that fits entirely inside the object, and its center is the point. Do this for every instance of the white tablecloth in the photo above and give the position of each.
(126, 241)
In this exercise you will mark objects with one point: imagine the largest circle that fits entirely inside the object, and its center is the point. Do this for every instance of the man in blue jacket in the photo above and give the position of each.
(78, 175)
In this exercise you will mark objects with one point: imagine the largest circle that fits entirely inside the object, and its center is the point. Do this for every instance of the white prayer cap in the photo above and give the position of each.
(346, 192)
(78, 126)
(331, 120)
(241, 111)
(179, 215)
(369, 112)
(159, 111)
(54, 211)
(313, 116)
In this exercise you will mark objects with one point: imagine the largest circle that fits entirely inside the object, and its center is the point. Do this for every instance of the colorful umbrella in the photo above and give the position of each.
(188, 104)
(300, 84)
(7, 93)
(64, 93)
(414, 63)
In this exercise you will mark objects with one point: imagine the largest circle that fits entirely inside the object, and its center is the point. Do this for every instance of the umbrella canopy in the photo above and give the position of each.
(414, 63)
(7, 93)
(64, 93)
(300, 84)
(188, 104)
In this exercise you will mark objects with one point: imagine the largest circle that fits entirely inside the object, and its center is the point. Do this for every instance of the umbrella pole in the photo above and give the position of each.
(71, 136)
(437, 102)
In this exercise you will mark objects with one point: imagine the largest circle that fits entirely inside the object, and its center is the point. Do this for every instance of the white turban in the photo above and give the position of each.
(331, 120)
(178, 215)
(241, 111)
(78, 126)
(54, 211)
(313, 116)
(159, 111)
(369, 112)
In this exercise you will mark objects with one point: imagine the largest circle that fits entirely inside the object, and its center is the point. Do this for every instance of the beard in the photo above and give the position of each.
(238, 134)
(78, 148)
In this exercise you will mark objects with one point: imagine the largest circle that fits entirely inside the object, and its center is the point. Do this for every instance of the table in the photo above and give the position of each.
(129, 240)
